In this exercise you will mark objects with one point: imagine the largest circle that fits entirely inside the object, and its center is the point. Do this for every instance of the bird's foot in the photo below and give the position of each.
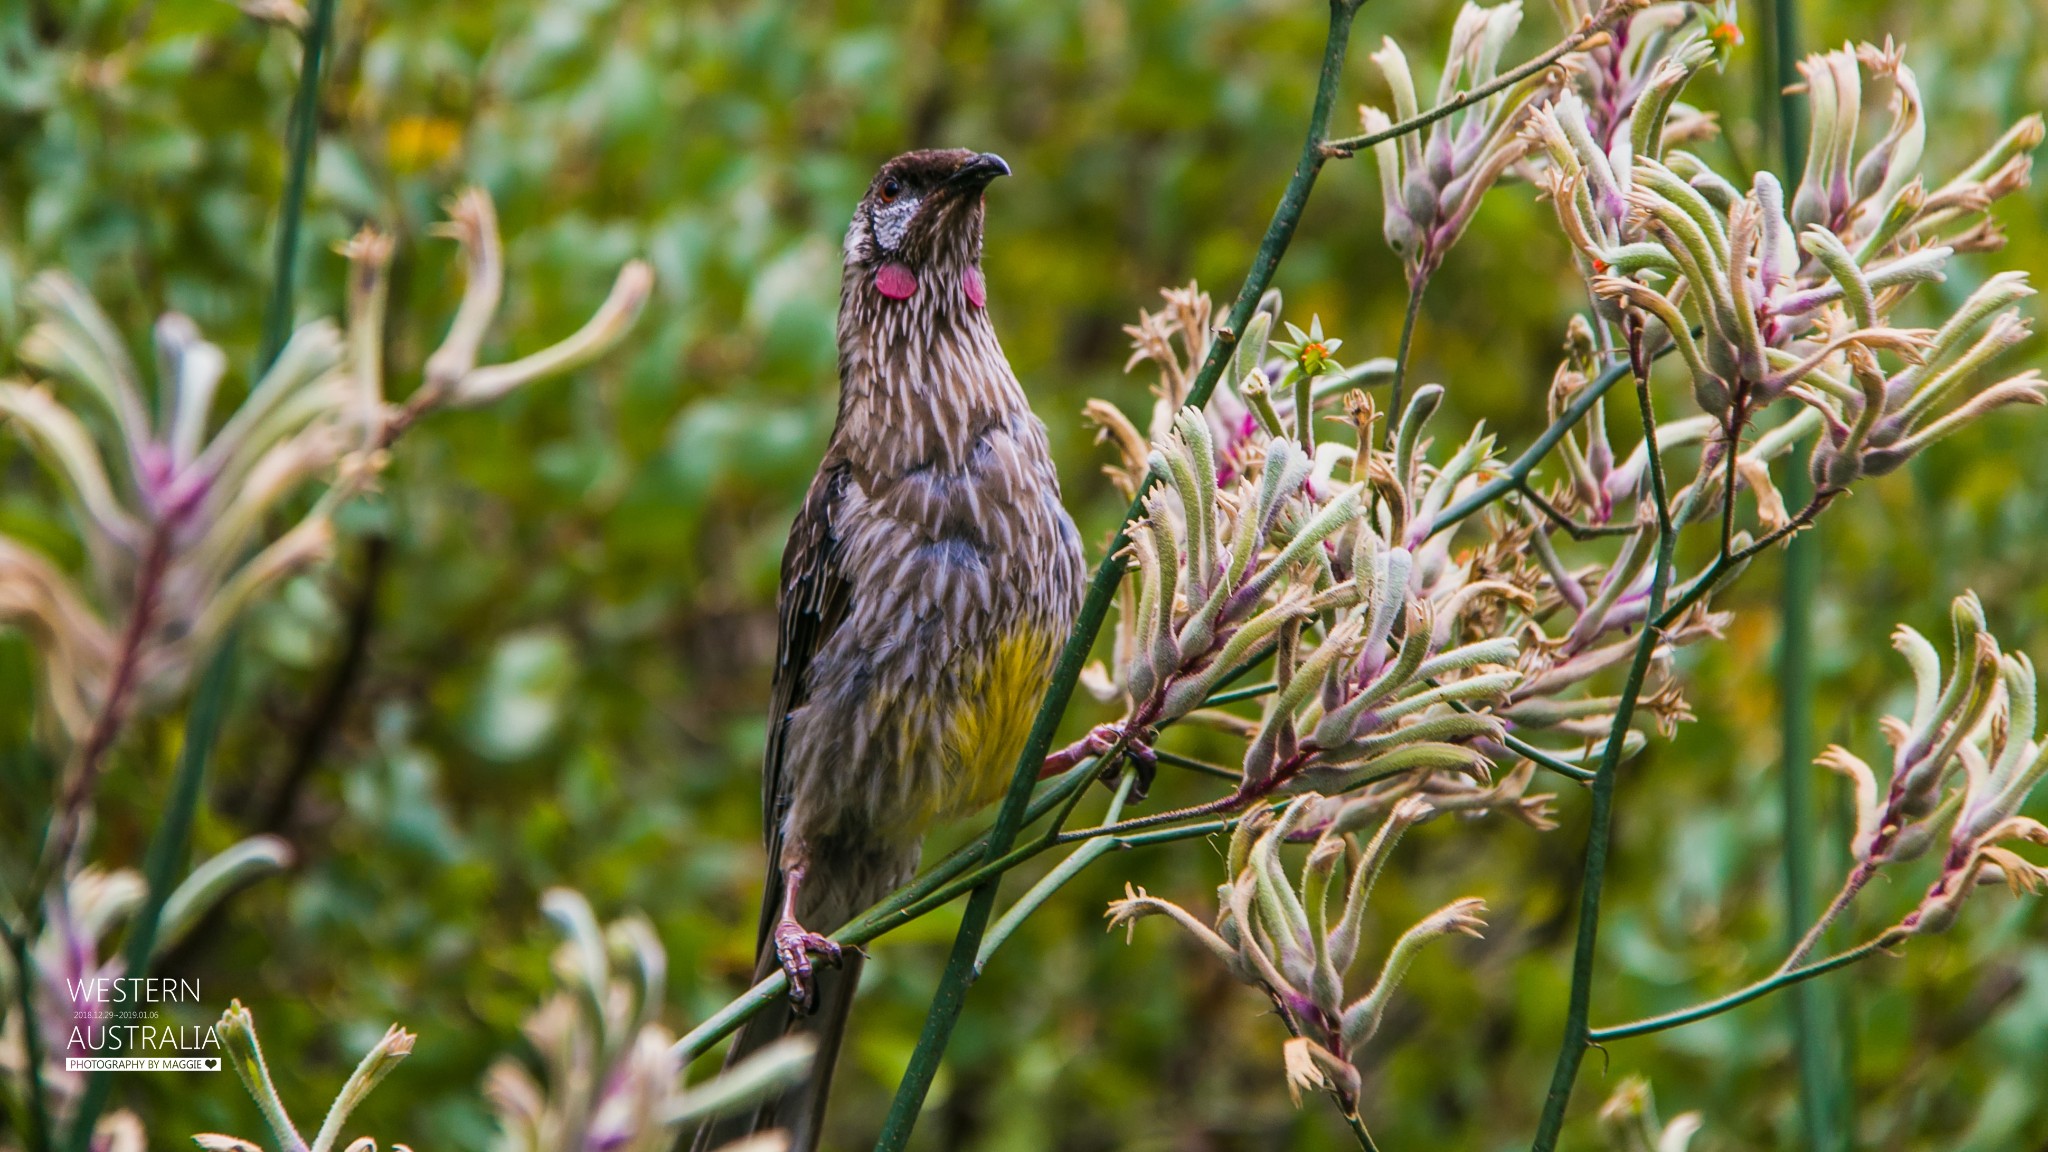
(1139, 755)
(794, 947)
(1097, 742)
(1101, 741)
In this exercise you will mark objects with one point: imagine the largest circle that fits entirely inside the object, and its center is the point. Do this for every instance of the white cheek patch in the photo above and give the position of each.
(891, 222)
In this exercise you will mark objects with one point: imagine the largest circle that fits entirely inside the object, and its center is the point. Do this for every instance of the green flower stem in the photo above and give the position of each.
(1352, 145)
(1226, 804)
(1723, 562)
(928, 892)
(1518, 472)
(1304, 410)
(167, 852)
(35, 1103)
(1417, 284)
(1764, 987)
(1804, 945)
(1359, 1133)
(1572, 1048)
(1194, 765)
(1824, 1104)
(1535, 755)
(1570, 527)
(951, 995)
(302, 131)
(1251, 693)
(1544, 759)
(892, 912)
(1056, 879)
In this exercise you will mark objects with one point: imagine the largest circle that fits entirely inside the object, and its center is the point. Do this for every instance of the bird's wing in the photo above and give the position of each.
(814, 598)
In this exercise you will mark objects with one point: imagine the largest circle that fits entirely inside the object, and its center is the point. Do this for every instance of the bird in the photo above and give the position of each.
(930, 578)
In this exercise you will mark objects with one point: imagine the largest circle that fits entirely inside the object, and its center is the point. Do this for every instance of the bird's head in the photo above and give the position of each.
(920, 224)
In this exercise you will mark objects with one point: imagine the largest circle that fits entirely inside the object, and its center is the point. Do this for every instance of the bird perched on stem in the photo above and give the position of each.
(929, 581)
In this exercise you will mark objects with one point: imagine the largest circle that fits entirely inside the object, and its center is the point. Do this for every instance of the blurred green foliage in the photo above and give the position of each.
(573, 616)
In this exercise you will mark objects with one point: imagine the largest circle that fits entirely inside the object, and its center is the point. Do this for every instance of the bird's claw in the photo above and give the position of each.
(1136, 750)
(1101, 738)
(1113, 745)
(794, 947)
(1138, 753)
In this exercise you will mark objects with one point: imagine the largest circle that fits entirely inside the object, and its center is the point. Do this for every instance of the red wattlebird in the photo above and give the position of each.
(928, 584)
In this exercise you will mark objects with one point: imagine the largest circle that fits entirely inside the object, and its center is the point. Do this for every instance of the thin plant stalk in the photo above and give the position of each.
(1788, 978)
(1056, 879)
(1517, 474)
(167, 852)
(1577, 1034)
(898, 908)
(1193, 765)
(81, 778)
(1803, 946)
(1417, 285)
(1823, 1102)
(169, 846)
(1349, 146)
(36, 1103)
(1235, 695)
(951, 995)
(302, 130)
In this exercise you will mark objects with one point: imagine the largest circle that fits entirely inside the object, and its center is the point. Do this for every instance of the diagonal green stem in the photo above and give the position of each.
(1782, 979)
(1201, 766)
(1251, 693)
(894, 911)
(1544, 759)
(1727, 561)
(1518, 472)
(1351, 145)
(1056, 879)
(951, 995)
(1572, 1049)
(1359, 1133)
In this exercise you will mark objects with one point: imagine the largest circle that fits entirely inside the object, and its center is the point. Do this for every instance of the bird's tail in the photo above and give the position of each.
(799, 1110)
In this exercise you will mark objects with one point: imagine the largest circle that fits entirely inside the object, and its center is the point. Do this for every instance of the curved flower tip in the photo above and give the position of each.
(2022, 877)
(1460, 916)
(1136, 905)
(1314, 1068)
(613, 319)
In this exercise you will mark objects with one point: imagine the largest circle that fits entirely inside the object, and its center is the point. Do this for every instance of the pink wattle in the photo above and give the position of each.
(896, 281)
(977, 292)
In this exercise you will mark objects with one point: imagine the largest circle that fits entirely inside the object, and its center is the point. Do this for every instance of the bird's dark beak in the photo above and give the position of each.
(975, 174)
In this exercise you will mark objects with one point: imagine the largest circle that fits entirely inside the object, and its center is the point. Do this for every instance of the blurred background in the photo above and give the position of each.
(559, 611)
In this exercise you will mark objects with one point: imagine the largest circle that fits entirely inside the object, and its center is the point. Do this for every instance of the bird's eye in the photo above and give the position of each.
(891, 188)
